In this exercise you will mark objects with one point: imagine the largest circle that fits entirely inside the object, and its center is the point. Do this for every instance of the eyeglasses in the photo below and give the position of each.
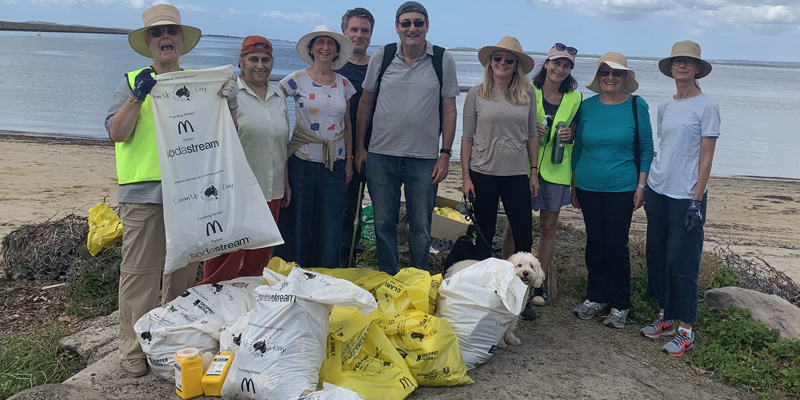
(617, 73)
(683, 60)
(561, 47)
(417, 23)
(172, 30)
(508, 59)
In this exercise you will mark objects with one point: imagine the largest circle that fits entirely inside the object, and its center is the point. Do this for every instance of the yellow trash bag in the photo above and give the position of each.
(436, 281)
(359, 357)
(429, 346)
(409, 289)
(105, 229)
(365, 278)
(280, 266)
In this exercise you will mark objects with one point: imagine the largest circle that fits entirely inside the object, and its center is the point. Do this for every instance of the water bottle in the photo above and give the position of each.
(558, 145)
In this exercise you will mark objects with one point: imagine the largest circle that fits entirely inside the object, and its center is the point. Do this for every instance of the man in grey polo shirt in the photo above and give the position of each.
(404, 149)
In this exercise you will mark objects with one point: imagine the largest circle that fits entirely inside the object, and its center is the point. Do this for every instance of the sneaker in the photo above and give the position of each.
(588, 309)
(528, 314)
(134, 367)
(538, 296)
(616, 318)
(658, 328)
(677, 346)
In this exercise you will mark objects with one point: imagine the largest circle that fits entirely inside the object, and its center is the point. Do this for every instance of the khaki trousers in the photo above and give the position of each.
(141, 277)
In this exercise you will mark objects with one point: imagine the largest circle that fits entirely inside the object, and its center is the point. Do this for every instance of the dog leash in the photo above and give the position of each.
(471, 217)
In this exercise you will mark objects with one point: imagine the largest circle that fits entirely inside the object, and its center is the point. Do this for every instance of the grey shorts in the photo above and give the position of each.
(552, 196)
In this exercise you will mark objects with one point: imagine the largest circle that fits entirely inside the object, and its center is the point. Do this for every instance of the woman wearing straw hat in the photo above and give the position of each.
(613, 131)
(130, 124)
(688, 125)
(556, 101)
(320, 163)
(264, 133)
(498, 142)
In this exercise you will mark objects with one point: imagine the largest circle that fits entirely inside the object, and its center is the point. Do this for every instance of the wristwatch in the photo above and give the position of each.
(640, 186)
(446, 151)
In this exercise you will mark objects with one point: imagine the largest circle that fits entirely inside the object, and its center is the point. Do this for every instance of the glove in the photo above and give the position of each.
(693, 215)
(229, 90)
(143, 84)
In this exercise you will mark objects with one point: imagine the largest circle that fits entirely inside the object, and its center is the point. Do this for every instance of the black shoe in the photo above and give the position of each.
(528, 314)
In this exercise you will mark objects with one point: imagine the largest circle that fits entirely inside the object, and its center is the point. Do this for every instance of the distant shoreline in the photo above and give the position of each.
(47, 27)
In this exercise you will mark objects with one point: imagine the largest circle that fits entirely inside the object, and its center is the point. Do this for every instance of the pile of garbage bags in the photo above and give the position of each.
(339, 333)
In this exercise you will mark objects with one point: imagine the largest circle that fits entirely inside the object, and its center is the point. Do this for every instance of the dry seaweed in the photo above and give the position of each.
(758, 275)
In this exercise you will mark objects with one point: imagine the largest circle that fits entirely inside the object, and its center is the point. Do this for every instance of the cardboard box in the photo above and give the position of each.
(446, 228)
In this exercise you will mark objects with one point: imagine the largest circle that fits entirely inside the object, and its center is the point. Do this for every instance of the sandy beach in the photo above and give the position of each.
(50, 177)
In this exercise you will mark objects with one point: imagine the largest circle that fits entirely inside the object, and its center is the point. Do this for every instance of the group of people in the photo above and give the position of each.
(389, 120)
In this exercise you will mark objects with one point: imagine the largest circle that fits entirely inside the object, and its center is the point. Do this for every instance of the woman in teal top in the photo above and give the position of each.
(609, 185)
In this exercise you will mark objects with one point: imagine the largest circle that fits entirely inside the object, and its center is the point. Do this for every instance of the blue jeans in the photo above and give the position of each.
(385, 174)
(673, 256)
(311, 225)
(607, 216)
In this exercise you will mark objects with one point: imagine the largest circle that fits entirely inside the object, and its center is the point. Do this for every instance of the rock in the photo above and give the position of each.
(773, 311)
(58, 391)
(97, 338)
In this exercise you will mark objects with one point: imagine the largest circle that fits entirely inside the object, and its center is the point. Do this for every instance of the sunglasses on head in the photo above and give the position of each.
(417, 23)
(561, 47)
(157, 31)
(508, 59)
(617, 73)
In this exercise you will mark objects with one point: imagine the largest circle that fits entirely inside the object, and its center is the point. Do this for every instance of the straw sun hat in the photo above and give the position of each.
(686, 48)
(615, 61)
(158, 15)
(345, 45)
(511, 45)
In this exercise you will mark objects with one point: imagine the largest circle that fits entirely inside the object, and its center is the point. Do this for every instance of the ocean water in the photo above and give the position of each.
(61, 83)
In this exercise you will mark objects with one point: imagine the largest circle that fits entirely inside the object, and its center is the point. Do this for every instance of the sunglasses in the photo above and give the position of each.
(508, 59)
(417, 23)
(157, 31)
(617, 73)
(683, 60)
(561, 47)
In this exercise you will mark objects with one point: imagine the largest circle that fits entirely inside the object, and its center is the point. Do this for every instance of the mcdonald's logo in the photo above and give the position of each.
(212, 227)
(184, 126)
(406, 382)
(248, 386)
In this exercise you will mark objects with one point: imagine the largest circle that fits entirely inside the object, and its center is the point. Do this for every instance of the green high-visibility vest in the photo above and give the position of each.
(137, 157)
(557, 173)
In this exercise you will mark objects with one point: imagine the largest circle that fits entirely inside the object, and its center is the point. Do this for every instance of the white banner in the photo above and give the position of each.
(212, 202)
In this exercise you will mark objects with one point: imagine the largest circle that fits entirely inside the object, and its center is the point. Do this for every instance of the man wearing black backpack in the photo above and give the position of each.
(409, 96)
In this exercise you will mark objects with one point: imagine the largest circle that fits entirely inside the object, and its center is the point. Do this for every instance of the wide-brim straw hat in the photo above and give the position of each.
(686, 48)
(511, 45)
(615, 61)
(159, 15)
(345, 45)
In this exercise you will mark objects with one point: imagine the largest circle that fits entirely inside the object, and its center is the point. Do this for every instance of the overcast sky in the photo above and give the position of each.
(767, 30)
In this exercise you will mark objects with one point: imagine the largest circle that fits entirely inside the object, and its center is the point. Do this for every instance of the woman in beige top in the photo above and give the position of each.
(499, 142)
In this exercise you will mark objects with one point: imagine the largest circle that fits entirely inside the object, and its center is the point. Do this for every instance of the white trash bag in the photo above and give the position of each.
(212, 201)
(332, 392)
(480, 302)
(194, 319)
(283, 344)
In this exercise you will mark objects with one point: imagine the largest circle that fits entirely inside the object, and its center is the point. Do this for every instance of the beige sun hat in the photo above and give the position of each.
(511, 45)
(615, 61)
(686, 48)
(345, 45)
(157, 15)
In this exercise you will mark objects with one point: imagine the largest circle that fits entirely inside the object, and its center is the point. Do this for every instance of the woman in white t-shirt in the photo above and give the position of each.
(320, 164)
(675, 203)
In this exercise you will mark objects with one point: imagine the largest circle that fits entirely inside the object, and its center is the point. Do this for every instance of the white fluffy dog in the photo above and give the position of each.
(528, 269)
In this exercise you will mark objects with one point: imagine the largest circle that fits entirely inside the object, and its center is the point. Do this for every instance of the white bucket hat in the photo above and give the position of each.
(159, 15)
(345, 45)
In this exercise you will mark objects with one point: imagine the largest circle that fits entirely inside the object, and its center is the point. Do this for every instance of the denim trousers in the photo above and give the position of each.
(311, 225)
(607, 216)
(673, 256)
(385, 174)
(516, 195)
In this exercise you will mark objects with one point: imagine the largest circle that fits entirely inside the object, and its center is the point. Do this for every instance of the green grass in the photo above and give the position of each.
(93, 292)
(34, 358)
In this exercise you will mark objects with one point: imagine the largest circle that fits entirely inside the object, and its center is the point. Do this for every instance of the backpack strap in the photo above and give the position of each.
(388, 55)
(636, 152)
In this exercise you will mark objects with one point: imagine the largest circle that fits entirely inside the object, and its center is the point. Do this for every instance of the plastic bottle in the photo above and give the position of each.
(558, 145)
(188, 373)
(215, 374)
